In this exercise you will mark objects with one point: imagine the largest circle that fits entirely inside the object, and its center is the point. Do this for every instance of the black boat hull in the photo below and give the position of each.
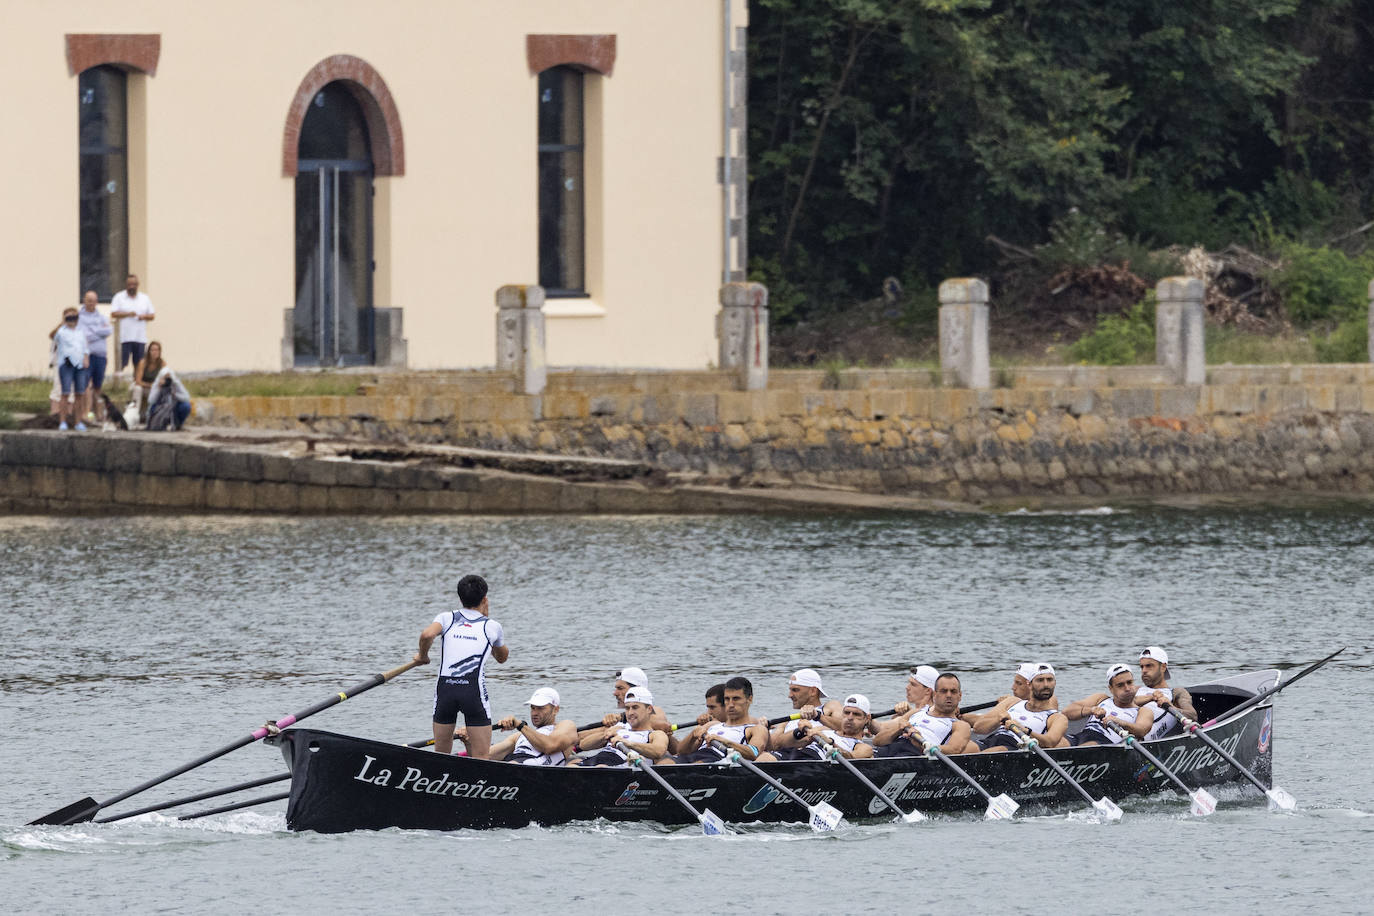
(341, 783)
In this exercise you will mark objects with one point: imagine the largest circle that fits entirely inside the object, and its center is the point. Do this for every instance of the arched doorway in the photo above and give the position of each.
(333, 317)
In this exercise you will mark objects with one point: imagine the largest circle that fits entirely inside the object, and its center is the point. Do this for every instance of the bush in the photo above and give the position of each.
(1348, 343)
(7, 419)
(785, 299)
(1318, 284)
(1120, 340)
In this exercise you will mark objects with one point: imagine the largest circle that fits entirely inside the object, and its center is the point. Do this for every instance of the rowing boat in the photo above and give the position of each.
(341, 783)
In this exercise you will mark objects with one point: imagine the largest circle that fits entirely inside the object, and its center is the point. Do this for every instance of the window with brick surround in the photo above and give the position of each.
(562, 199)
(102, 105)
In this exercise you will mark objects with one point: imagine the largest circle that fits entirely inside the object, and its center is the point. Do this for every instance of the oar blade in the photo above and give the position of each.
(825, 817)
(1203, 803)
(711, 824)
(76, 813)
(1002, 807)
(1279, 800)
(1108, 809)
(913, 817)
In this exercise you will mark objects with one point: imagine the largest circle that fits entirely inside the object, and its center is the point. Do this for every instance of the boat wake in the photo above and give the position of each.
(1047, 513)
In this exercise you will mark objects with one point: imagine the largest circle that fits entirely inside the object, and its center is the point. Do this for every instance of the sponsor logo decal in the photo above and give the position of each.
(892, 789)
(628, 795)
(771, 796)
(1266, 731)
(761, 799)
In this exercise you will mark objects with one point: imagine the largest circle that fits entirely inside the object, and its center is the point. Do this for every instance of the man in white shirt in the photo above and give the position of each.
(134, 310)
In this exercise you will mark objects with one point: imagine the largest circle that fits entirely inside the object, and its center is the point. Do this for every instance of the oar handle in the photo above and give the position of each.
(1270, 691)
(935, 752)
(375, 681)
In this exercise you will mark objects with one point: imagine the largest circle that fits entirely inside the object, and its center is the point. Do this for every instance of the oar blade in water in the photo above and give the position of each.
(913, 817)
(1203, 803)
(711, 824)
(76, 813)
(825, 818)
(1108, 809)
(1279, 800)
(1002, 807)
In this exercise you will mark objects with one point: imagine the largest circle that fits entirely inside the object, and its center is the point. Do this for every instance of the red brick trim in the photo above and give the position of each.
(379, 108)
(594, 53)
(132, 52)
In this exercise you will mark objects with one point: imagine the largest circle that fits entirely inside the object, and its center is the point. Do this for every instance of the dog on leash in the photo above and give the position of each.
(112, 413)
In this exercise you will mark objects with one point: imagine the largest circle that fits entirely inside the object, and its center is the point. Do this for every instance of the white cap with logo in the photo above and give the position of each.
(639, 695)
(925, 675)
(635, 677)
(859, 701)
(1156, 653)
(808, 677)
(544, 696)
(1116, 669)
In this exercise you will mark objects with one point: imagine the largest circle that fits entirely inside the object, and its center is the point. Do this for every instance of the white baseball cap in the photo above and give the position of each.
(1031, 670)
(808, 677)
(1114, 670)
(1156, 653)
(635, 677)
(1026, 670)
(639, 695)
(926, 676)
(859, 701)
(544, 696)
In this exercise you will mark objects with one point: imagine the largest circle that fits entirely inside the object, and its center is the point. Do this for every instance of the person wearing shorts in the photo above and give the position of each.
(467, 638)
(73, 358)
(96, 327)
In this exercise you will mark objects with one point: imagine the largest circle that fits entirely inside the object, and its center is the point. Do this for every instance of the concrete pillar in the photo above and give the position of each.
(388, 338)
(1179, 329)
(520, 336)
(288, 340)
(742, 329)
(1371, 321)
(964, 332)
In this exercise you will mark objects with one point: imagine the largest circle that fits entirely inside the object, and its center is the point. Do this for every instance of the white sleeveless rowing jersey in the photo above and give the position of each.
(1165, 719)
(841, 741)
(735, 733)
(525, 753)
(934, 729)
(1029, 718)
(1127, 714)
(466, 643)
(625, 733)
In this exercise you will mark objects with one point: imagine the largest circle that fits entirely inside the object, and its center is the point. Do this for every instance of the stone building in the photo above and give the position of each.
(334, 182)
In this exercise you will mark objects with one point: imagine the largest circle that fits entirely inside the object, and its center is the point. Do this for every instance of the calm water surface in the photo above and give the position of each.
(130, 646)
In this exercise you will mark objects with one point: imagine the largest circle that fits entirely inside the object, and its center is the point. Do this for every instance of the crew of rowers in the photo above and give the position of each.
(930, 716)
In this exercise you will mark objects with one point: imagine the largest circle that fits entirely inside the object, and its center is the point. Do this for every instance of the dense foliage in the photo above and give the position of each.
(894, 137)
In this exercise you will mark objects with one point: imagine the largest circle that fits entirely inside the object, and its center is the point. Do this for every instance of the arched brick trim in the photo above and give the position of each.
(379, 108)
(133, 52)
(594, 53)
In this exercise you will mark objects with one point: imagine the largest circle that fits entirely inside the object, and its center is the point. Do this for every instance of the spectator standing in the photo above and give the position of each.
(134, 310)
(73, 364)
(169, 403)
(96, 327)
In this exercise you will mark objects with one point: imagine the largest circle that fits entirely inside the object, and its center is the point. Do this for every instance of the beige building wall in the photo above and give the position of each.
(212, 216)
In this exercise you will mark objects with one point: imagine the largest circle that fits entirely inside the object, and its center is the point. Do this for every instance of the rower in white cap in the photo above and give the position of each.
(812, 703)
(626, 679)
(544, 740)
(1154, 674)
(1117, 704)
(1038, 714)
(634, 735)
(813, 740)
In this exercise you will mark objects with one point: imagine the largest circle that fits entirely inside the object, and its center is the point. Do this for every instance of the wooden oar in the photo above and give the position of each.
(1000, 807)
(1104, 805)
(822, 817)
(1279, 800)
(86, 809)
(1203, 802)
(236, 806)
(711, 824)
(910, 817)
(1270, 691)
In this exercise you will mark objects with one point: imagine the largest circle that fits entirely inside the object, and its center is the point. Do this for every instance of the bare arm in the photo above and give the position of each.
(654, 748)
(500, 653)
(992, 719)
(1079, 709)
(1141, 726)
(1183, 702)
(958, 738)
(427, 636)
(562, 738)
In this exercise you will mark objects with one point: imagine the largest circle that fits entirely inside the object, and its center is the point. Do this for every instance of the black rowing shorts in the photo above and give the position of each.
(453, 695)
(899, 748)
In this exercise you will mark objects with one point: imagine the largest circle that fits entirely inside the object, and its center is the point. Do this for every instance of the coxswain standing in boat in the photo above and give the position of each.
(1154, 674)
(543, 740)
(812, 740)
(937, 724)
(634, 735)
(811, 702)
(711, 741)
(469, 638)
(1118, 704)
(1037, 715)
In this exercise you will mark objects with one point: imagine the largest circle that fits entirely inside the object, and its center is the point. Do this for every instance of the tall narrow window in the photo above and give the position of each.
(104, 173)
(562, 249)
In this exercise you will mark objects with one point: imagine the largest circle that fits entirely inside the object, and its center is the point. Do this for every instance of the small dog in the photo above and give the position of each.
(112, 412)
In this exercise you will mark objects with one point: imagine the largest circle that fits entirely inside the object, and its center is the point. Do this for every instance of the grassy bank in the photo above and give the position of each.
(30, 395)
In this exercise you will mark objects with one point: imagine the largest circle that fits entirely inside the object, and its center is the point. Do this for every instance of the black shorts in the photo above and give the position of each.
(453, 695)
(700, 755)
(605, 758)
(1092, 733)
(1002, 739)
(810, 752)
(899, 748)
(131, 351)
